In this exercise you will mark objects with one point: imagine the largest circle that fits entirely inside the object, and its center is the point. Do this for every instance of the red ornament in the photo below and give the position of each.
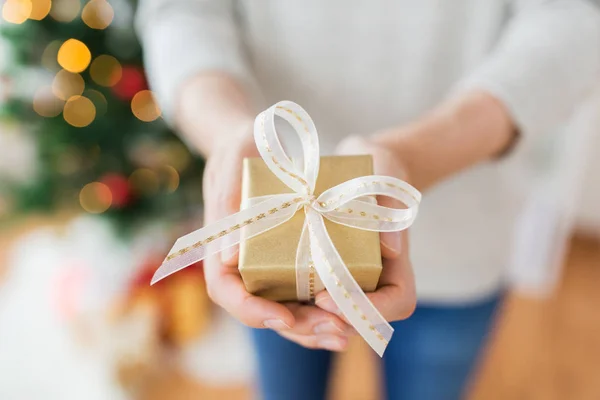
(132, 81)
(119, 188)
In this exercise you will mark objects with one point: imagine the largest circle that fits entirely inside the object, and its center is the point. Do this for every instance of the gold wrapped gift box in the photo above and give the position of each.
(267, 261)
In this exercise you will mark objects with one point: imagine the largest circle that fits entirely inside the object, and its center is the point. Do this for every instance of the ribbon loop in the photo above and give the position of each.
(272, 152)
(341, 194)
(342, 204)
(318, 263)
(371, 217)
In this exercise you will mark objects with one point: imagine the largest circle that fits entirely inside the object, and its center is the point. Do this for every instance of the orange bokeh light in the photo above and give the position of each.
(74, 56)
(79, 111)
(97, 14)
(144, 181)
(67, 84)
(40, 9)
(144, 107)
(16, 11)
(171, 177)
(95, 197)
(106, 70)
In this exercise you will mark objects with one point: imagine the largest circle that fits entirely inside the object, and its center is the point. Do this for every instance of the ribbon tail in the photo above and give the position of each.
(304, 267)
(227, 232)
(345, 292)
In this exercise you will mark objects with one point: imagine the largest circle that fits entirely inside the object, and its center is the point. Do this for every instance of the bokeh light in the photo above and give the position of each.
(50, 56)
(16, 11)
(144, 181)
(70, 161)
(145, 152)
(171, 178)
(97, 14)
(106, 70)
(74, 56)
(40, 9)
(119, 188)
(99, 101)
(144, 107)
(95, 197)
(46, 104)
(177, 155)
(79, 111)
(65, 10)
(132, 82)
(67, 84)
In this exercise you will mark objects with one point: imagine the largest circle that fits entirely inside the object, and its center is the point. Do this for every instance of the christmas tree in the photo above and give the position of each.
(101, 142)
(75, 87)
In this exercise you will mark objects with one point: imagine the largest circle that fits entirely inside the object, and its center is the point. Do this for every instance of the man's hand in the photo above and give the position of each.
(395, 296)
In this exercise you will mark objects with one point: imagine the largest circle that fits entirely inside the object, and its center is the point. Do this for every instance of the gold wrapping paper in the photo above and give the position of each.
(267, 261)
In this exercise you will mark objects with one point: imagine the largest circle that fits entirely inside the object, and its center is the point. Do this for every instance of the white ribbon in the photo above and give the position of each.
(345, 204)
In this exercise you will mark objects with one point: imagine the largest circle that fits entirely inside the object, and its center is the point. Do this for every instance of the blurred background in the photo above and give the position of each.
(94, 188)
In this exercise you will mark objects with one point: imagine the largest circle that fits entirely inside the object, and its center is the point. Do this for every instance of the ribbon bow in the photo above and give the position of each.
(344, 204)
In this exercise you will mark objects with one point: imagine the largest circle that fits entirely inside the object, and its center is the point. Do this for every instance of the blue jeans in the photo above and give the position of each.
(429, 358)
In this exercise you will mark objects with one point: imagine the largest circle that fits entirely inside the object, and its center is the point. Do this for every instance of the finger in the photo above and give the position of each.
(311, 320)
(225, 288)
(223, 199)
(323, 341)
(230, 256)
(391, 242)
(395, 297)
(232, 194)
(391, 301)
(222, 191)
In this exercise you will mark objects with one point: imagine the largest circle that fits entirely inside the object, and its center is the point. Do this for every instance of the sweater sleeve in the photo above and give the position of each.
(546, 62)
(184, 37)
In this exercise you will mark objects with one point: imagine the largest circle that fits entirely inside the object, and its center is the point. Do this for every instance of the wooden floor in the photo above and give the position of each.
(549, 350)
(540, 350)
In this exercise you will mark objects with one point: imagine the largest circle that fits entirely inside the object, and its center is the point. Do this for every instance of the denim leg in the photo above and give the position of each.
(433, 352)
(287, 371)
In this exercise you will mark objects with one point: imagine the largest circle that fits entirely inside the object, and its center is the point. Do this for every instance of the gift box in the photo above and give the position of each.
(267, 262)
(284, 231)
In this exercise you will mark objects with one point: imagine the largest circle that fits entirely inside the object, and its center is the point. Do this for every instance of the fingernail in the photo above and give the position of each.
(328, 327)
(392, 241)
(229, 253)
(333, 343)
(276, 325)
(327, 304)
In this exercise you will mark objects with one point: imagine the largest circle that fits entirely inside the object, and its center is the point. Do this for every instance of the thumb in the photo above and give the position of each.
(230, 256)
(391, 242)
